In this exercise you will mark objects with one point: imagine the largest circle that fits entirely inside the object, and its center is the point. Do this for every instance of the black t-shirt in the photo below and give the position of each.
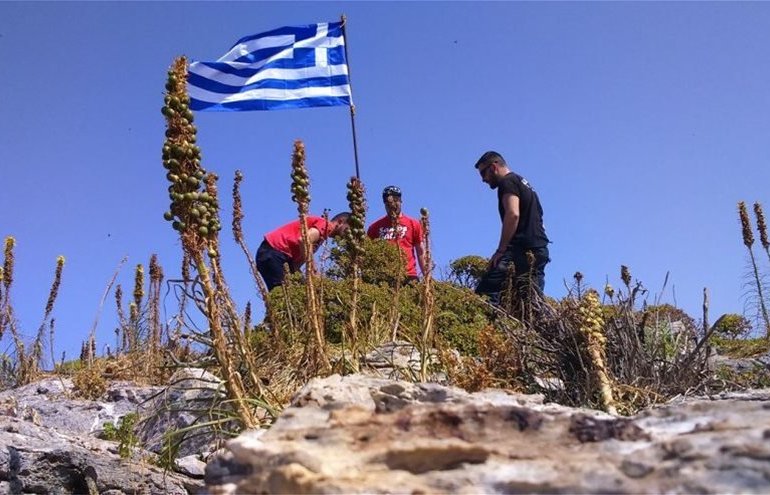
(530, 233)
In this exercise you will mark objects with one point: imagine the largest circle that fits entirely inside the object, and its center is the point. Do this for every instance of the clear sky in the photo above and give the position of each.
(640, 125)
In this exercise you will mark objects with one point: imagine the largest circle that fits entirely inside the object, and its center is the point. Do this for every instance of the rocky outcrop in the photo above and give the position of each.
(49, 439)
(367, 435)
(38, 459)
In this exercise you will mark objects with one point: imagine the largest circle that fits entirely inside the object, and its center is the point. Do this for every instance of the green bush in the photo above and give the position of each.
(732, 326)
(467, 271)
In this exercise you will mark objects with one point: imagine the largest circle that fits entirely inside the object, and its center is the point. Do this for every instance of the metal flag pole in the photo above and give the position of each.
(352, 106)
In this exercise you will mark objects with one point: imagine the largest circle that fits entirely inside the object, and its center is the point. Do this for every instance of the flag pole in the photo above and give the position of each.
(352, 106)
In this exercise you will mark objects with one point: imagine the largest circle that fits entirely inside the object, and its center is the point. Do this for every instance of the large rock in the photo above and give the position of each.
(39, 459)
(185, 407)
(49, 437)
(366, 435)
(52, 402)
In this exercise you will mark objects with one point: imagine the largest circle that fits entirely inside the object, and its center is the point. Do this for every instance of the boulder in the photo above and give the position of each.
(40, 459)
(359, 434)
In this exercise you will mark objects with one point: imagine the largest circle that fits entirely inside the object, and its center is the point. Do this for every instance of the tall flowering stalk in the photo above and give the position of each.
(395, 313)
(153, 306)
(355, 241)
(237, 225)
(762, 228)
(300, 194)
(134, 308)
(6, 313)
(592, 327)
(748, 241)
(194, 213)
(428, 298)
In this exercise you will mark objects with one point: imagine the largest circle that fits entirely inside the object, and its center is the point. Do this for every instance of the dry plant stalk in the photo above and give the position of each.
(748, 241)
(592, 326)
(239, 239)
(395, 315)
(194, 214)
(762, 228)
(6, 311)
(355, 236)
(428, 299)
(300, 195)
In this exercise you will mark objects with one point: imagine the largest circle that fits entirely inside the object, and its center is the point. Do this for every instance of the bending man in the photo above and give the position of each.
(284, 245)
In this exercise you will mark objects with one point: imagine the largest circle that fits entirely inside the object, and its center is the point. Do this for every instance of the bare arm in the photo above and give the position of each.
(314, 236)
(510, 224)
(418, 249)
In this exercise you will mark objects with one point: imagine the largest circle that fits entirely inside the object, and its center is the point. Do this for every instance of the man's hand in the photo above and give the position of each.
(494, 260)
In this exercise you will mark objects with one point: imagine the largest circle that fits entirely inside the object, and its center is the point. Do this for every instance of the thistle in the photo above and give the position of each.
(428, 297)
(237, 208)
(355, 235)
(592, 326)
(578, 276)
(138, 285)
(10, 243)
(54, 292)
(762, 227)
(300, 194)
(609, 291)
(625, 276)
(300, 182)
(748, 241)
(193, 209)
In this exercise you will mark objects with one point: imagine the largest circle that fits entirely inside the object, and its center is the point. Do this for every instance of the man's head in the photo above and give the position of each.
(391, 197)
(339, 224)
(492, 168)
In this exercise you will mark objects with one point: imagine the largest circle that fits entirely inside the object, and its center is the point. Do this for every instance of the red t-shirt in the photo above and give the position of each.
(288, 238)
(409, 236)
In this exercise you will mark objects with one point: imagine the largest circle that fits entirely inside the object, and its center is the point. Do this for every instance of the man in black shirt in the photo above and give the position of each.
(522, 230)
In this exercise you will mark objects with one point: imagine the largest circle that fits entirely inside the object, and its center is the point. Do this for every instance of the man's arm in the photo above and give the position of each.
(510, 224)
(314, 236)
(420, 257)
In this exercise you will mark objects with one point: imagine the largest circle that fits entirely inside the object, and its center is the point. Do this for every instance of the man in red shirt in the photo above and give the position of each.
(407, 234)
(284, 245)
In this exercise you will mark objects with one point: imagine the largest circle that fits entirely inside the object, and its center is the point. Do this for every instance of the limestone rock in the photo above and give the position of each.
(366, 435)
(38, 459)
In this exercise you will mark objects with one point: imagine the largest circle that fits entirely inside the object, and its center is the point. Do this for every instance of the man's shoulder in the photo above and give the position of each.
(380, 220)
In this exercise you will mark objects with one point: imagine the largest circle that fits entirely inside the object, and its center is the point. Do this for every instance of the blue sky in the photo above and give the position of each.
(639, 124)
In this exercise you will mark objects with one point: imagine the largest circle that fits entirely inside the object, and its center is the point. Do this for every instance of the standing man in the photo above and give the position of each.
(407, 235)
(522, 229)
(284, 245)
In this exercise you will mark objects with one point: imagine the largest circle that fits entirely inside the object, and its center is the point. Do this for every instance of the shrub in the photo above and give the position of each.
(732, 326)
(89, 381)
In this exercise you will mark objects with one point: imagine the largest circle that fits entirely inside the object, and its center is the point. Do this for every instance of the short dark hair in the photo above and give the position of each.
(490, 156)
(341, 217)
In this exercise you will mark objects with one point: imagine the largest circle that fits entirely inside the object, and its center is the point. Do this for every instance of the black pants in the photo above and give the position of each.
(270, 263)
(493, 281)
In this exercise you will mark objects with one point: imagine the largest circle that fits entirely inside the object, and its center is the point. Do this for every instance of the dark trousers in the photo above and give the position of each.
(494, 280)
(270, 263)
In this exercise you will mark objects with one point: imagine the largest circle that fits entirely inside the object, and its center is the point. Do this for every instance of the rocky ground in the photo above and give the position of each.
(365, 434)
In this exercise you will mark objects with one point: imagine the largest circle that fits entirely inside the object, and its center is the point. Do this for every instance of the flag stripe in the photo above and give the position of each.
(199, 73)
(239, 106)
(288, 67)
(211, 86)
(270, 94)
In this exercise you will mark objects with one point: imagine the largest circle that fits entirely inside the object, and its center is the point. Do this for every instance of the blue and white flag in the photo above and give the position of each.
(288, 67)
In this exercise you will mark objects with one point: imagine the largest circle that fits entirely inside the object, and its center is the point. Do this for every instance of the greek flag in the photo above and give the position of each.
(288, 67)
